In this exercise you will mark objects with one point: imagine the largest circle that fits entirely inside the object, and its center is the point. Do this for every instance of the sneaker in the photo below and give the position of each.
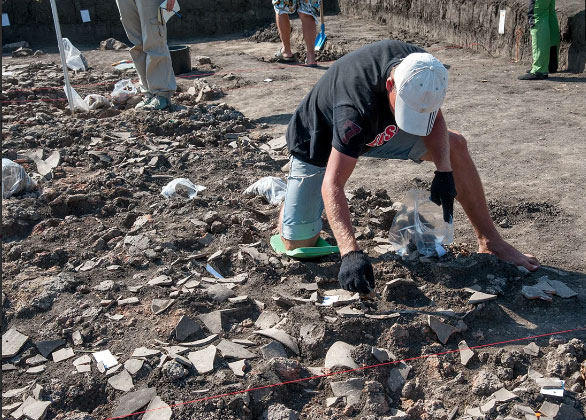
(533, 76)
(147, 98)
(158, 103)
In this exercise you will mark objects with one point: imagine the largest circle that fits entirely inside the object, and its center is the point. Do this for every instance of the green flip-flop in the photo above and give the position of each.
(320, 249)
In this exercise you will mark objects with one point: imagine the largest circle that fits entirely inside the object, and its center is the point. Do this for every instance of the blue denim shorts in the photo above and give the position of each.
(303, 205)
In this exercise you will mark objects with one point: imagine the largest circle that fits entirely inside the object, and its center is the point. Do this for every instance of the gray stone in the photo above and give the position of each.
(349, 312)
(549, 409)
(489, 406)
(63, 354)
(273, 349)
(339, 356)
(562, 290)
(238, 367)
(144, 352)
(503, 395)
(213, 321)
(158, 410)
(382, 355)
(569, 413)
(281, 336)
(36, 360)
(104, 286)
(267, 319)
(244, 342)
(134, 401)
(128, 301)
(77, 338)
(200, 343)
(186, 327)
(133, 366)
(350, 388)
(465, 352)
(219, 293)
(279, 412)
(398, 377)
(36, 410)
(396, 414)
(443, 331)
(122, 381)
(174, 370)
(531, 292)
(232, 350)
(161, 281)
(19, 413)
(203, 360)
(36, 370)
(331, 401)
(158, 306)
(12, 342)
(531, 349)
(479, 297)
(14, 392)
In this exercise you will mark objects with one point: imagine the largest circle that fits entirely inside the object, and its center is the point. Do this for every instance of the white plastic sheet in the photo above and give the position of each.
(14, 179)
(181, 187)
(78, 102)
(73, 57)
(270, 187)
(123, 90)
(419, 221)
(94, 101)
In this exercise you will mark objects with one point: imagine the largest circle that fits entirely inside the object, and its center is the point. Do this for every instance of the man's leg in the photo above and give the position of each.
(131, 22)
(309, 34)
(471, 197)
(554, 35)
(300, 217)
(284, 26)
(540, 37)
(159, 70)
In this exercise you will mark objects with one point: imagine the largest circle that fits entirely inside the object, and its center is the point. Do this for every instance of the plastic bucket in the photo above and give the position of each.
(180, 59)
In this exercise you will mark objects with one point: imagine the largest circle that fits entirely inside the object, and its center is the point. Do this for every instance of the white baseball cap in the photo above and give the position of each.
(421, 82)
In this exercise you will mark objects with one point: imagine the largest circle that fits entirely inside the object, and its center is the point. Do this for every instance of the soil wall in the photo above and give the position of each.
(466, 23)
(474, 24)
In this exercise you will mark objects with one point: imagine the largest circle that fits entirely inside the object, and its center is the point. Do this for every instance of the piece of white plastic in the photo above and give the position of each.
(181, 187)
(123, 90)
(270, 187)
(420, 221)
(78, 102)
(95, 101)
(14, 179)
(73, 57)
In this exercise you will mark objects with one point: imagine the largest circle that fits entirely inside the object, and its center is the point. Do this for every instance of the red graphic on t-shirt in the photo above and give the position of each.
(350, 129)
(384, 137)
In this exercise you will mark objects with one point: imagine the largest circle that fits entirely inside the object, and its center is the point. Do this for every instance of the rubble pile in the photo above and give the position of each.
(117, 298)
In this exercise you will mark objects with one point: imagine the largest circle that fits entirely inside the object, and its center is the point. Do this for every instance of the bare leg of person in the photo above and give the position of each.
(294, 244)
(309, 34)
(284, 25)
(471, 197)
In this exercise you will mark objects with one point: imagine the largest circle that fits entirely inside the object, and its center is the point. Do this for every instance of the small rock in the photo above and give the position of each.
(562, 290)
(36, 410)
(63, 354)
(465, 352)
(158, 306)
(121, 382)
(158, 410)
(161, 281)
(145, 352)
(382, 355)
(485, 383)
(339, 355)
(186, 327)
(479, 297)
(350, 388)
(131, 403)
(232, 350)
(238, 367)
(398, 377)
(267, 319)
(280, 412)
(213, 321)
(531, 349)
(12, 342)
(219, 293)
(174, 370)
(532, 293)
(281, 336)
(273, 349)
(203, 360)
(443, 331)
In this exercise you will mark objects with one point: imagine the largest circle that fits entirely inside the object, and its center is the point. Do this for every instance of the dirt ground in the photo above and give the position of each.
(106, 220)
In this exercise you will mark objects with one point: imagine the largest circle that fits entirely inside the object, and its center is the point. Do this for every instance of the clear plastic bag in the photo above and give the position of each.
(73, 57)
(14, 179)
(270, 187)
(181, 187)
(419, 221)
(78, 102)
(123, 90)
(94, 101)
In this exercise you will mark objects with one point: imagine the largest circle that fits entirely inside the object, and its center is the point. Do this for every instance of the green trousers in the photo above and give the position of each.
(545, 33)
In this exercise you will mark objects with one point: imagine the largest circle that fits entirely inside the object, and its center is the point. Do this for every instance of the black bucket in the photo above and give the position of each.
(180, 59)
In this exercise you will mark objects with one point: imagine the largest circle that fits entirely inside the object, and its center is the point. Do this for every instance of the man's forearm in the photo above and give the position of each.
(338, 214)
(438, 145)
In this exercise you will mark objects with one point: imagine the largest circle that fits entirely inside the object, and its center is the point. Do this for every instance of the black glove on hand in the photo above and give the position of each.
(356, 273)
(443, 192)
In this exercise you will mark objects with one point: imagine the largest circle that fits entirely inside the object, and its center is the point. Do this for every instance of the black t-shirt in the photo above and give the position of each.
(348, 108)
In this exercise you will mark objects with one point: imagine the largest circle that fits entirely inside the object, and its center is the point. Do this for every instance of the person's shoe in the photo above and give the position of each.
(157, 103)
(533, 76)
(145, 101)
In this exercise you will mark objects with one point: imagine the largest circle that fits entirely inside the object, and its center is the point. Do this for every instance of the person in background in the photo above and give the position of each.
(545, 39)
(308, 11)
(146, 29)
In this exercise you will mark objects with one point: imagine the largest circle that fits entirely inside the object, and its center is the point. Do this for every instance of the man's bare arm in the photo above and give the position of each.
(338, 171)
(437, 144)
